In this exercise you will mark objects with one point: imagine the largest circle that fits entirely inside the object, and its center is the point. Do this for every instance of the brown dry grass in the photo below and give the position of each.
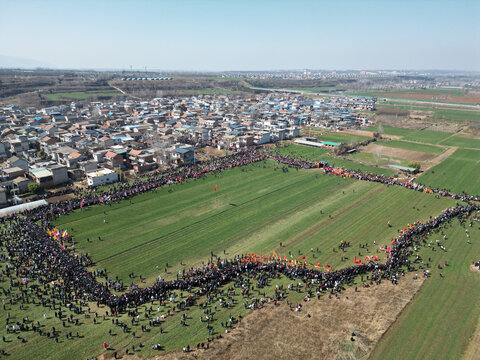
(208, 153)
(278, 333)
(408, 155)
(60, 198)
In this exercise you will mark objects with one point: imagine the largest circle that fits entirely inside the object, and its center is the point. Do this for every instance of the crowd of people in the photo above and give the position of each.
(367, 176)
(34, 254)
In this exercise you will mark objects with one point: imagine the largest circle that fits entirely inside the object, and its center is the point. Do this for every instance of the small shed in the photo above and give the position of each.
(407, 169)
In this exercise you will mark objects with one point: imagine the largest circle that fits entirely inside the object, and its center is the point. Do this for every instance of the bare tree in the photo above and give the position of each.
(378, 155)
(380, 129)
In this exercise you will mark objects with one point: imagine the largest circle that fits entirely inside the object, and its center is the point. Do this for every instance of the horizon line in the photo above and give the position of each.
(99, 69)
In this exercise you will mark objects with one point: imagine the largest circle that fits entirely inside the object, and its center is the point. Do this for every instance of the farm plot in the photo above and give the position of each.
(256, 208)
(461, 141)
(441, 319)
(429, 149)
(459, 172)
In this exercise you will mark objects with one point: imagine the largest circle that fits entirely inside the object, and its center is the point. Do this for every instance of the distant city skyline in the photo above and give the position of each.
(215, 35)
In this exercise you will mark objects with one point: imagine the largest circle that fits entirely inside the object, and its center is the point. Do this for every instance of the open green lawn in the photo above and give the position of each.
(254, 209)
(342, 137)
(316, 154)
(439, 321)
(459, 172)
(462, 141)
(430, 149)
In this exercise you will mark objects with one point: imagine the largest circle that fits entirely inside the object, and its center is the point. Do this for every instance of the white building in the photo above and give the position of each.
(101, 177)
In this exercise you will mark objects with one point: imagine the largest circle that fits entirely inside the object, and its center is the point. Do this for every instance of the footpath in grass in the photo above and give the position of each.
(440, 320)
(459, 172)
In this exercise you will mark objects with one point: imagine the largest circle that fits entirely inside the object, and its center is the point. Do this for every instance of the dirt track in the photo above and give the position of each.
(278, 333)
(438, 159)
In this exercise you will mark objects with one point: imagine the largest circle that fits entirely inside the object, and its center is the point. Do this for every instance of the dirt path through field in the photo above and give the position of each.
(123, 92)
(438, 159)
(322, 330)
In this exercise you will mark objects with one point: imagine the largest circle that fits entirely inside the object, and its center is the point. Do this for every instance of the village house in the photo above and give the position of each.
(101, 177)
(15, 161)
(113, 160)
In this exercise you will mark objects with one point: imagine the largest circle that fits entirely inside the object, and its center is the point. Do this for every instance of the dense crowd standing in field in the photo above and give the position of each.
(34, 255)
(366, 176)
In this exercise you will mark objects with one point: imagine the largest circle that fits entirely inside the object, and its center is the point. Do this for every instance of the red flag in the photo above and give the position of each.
(215, 188)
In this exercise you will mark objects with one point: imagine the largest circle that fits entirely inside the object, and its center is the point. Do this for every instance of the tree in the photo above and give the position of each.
(380, 129)
(121, 174)
(35, 188)
(415, 165)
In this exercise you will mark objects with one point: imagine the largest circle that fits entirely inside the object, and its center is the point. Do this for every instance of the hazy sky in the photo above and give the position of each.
(242, 34)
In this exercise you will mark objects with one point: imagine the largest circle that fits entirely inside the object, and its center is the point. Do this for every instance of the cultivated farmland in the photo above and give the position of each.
(459, 172)
(181, 225)
(440, 320)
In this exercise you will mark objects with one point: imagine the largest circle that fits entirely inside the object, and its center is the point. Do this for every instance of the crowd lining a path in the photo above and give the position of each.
(31, 253)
